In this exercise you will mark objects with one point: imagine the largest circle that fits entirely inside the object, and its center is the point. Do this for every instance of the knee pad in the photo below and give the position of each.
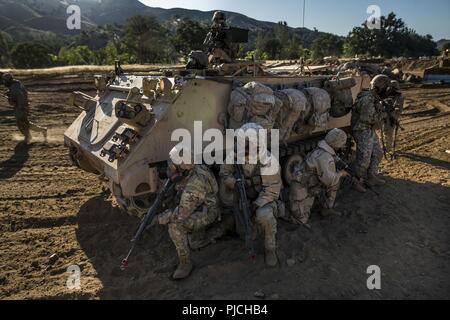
(265, 214)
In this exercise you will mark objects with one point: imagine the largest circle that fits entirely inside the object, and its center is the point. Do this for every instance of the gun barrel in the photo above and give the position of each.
(148, 219)
(245, 214)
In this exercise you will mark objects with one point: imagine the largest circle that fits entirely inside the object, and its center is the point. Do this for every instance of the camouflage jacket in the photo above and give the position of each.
(367, 113)
(319, 168)
(262, 189)
(18, 97)
(395, 106)
(200, 190)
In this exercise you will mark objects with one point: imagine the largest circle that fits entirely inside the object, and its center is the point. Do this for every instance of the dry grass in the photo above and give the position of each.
(86, 69)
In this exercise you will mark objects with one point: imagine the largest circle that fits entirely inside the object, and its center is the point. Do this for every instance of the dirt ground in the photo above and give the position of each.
(53, 215)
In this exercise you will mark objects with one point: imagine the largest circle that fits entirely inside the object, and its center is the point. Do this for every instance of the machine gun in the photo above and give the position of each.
(243, 212)
(150, 216)
(342, 165)
(225, 38)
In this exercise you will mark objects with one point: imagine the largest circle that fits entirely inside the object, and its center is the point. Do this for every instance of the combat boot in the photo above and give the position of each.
(374, 181)
(28, 139)
(184, 269)
(359, 186)
(271, 258)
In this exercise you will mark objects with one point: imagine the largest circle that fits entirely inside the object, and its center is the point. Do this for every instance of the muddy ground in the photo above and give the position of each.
(52, 215)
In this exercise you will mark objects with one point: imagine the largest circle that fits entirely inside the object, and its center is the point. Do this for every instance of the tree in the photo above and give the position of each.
(189, 36)
(394, 38)
(446, 47)
(268, 44)
(31, 55)
(327, 45)
(4, 51)
(148, 40)
(80, 55)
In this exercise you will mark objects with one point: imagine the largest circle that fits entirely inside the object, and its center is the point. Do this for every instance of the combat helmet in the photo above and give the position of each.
(262, 98)
(336, 139)
(219, 17)
(182, 157)
(7, 79)
(380, 83)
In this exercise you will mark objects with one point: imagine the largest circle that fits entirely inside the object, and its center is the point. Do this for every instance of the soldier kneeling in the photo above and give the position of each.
(263, 187)
(197, 209)
(316, 177)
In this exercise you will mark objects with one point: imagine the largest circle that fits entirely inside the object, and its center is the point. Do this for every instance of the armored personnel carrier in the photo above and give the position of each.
(124, 133)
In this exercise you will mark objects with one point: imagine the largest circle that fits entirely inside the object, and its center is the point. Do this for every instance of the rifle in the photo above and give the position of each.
(243, 212)
(149, 217)
(390, 109)
(342, 165)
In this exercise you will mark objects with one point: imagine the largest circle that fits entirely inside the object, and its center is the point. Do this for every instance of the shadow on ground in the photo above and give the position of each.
(431, 161)
(405, 232)
(9, 168)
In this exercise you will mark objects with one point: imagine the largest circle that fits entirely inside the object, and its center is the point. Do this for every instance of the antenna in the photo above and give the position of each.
(304, 12)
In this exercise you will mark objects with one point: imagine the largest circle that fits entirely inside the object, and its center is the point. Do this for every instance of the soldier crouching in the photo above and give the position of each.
(197, 209)
(316, 177)
(263, 187)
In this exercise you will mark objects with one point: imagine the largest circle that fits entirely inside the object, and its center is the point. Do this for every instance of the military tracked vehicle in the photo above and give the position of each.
(124, 133)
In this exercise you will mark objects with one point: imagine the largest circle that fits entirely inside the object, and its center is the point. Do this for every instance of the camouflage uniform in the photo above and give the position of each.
(253, 103)
(262, 190)
(366, 118)
(396, 103)
(219, 47)
(315, 178)
(198, 208)
(18, 98)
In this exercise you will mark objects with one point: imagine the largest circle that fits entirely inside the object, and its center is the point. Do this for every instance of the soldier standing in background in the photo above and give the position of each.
(317, 178)
(219, 47)
(394, 107)
(367, 117)
(198, 208)
(18, 98)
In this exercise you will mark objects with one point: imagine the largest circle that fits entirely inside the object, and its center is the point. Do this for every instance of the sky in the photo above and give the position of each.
(335, 16)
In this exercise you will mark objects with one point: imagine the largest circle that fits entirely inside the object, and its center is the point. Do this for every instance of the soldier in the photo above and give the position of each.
(253, 103)
(367, 117)
(197, 209)
(316, 178)
(263, 191)
(18, 98)
(219, 47)
(394, 108)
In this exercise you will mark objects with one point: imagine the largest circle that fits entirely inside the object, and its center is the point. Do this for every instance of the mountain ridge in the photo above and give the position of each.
(49, 16)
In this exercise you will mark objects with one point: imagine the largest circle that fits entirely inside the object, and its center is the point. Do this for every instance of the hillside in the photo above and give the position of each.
(442, 43)
(37, 18)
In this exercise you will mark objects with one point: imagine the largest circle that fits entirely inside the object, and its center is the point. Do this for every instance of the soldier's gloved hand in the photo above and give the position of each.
(229, 183)
(165, 218)
(344, 174)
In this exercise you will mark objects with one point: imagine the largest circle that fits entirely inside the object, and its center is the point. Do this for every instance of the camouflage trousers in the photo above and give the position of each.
(25, 125)
(369, 153)
(267, 222)
(302, 198)
(388, 133)
(180, 229)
